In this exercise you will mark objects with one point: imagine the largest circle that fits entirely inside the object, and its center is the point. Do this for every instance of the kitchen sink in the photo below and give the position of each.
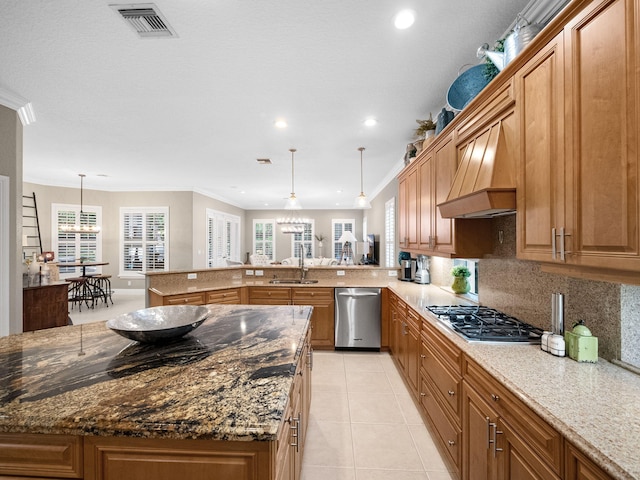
(292, 280)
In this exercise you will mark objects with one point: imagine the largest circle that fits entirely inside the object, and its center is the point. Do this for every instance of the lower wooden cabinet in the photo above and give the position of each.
(323, 316)
(44, 456)
(235, 296)
(579, 467)
(45, 306)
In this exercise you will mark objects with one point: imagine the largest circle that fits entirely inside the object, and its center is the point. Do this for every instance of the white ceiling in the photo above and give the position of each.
(196, 111)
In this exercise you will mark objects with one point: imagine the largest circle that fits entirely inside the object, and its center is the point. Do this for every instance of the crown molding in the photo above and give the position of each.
(21, 105)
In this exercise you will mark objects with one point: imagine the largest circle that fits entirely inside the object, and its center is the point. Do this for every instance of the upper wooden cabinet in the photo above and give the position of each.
(424, 184)
(578, 107)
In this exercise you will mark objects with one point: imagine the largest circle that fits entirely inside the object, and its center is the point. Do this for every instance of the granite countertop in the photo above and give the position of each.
(596, 406)
(227, 380)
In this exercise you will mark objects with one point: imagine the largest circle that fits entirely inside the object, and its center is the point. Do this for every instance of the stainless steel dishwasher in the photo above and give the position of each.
(358, 318)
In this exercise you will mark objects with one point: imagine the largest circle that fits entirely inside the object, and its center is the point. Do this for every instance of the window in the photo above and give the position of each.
(390, 233)
(223, 238)
(144, 240)
(73, 247)
(306, 239)
(472, 265)
(264, 240)
(338, 227)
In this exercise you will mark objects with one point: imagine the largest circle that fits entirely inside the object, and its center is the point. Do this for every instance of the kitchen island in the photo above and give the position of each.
(84, 402)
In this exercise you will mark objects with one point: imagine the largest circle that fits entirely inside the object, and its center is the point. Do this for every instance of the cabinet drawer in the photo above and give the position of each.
(450, 354)
(312, 295)
(40, 455)
(224, 296)
(447, 383)
(186, 299)
(270, 293)
(448, 433)
(539, 435)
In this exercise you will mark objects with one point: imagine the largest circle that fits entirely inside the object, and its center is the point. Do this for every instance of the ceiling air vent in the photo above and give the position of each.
(146, 20)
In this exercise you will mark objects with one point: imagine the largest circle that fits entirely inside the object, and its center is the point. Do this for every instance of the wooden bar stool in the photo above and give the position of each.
(79, 292)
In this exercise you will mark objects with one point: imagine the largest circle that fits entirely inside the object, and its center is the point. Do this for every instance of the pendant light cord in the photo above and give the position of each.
(81, 190)
(361, 174)
(292, 150)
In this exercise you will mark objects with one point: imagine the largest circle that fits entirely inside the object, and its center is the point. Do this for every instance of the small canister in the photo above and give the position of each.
(581, 345)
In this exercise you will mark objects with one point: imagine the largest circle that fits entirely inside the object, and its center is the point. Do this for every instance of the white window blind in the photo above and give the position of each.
(144, 240)
(75, 247)
(305, 238)
(264, 240)
(338, 227)
(223, 238)
(390, 232)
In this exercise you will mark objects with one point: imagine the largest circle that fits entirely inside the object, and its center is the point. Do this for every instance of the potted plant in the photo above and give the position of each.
(460, 275)
(426, 131)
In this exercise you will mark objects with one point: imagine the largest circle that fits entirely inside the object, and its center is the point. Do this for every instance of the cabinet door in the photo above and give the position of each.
(269, 296)
(408, 209)
(603, 87)
(185, 299)
(516, 460)
(579, 467)
(479, 422)
(426, 204)
(413, 356)
(540, 113)
(323, 316)
(228, 295)
(443, 170)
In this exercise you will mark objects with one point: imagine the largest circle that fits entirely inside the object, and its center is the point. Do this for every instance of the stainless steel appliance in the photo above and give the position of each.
(422, 270)
(483, 324)
(357, 318)
(408, 270)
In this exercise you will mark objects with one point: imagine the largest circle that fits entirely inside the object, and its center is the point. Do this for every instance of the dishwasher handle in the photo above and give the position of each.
(365, 294)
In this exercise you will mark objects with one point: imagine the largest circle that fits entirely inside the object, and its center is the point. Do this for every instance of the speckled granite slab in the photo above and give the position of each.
(227, 380)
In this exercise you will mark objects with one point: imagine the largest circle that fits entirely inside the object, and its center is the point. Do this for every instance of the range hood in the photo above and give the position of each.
(484, 184)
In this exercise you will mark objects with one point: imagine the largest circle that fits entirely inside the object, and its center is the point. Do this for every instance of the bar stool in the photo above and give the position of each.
(101, 285)
(80, 291)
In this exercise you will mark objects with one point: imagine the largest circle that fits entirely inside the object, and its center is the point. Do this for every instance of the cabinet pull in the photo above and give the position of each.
(495, 397)
(422, 355)
(488, 432)
(496, 432)
(310, 358)
(553, 243)
(451, 443)
(295, 429)
(451, 393)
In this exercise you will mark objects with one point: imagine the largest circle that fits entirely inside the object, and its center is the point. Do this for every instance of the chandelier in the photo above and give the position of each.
(80, 226)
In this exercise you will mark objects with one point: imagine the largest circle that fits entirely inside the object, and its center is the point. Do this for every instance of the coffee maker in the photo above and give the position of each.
(422, 270)
(407, 267)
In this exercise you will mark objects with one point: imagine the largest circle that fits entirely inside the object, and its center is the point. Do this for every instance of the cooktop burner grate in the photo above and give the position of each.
(484, 324)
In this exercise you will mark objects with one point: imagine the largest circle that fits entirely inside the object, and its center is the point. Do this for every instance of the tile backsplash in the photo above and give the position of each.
(520, 288)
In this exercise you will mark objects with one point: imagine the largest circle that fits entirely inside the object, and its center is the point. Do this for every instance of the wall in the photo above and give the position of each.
(520, 288)
(11, 166)
(199, 241)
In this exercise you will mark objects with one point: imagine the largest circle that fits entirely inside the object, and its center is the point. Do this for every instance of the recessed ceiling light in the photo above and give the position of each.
(404, 19)
(370, 122)
(281, 123)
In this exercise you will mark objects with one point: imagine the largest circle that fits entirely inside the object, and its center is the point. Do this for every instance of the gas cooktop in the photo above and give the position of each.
(483, 324)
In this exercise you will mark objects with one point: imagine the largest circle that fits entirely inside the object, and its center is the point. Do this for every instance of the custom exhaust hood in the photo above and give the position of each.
(484, 184)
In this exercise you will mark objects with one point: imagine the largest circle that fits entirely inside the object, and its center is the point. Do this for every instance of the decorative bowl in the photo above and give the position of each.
(159, 324)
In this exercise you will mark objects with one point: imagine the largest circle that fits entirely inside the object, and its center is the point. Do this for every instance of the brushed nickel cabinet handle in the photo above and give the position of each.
(553, 243)
(451, 393)
(495, 397)
(451, 443)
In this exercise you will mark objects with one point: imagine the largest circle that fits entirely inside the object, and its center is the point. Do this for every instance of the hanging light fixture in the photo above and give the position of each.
(79, 226)
(292, 224)
(361, 200)
(292, 202)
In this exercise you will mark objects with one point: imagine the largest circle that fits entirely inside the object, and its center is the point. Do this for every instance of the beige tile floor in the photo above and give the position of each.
(363, 424)
(123, 302)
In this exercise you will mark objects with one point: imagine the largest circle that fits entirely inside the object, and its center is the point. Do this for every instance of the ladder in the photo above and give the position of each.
(31, 239)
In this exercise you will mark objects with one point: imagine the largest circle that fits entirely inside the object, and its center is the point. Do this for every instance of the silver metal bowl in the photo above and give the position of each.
(159, 324)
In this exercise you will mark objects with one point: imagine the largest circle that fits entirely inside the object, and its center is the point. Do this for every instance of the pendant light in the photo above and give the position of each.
(292, 225)
(361, 200)
(292, 202)
(80, 227)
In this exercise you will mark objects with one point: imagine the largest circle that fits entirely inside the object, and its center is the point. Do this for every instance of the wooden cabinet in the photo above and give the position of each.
(185, 299)
(408, 212)
(45, 306)
(422, 229)
(269, 296)
(579, 467)
(405, 341)
(323, 316)
(321, 299)
(578, 107)
(48, 456)
(398, 309)
(226, 296)
(440, 391)
(502, 437)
